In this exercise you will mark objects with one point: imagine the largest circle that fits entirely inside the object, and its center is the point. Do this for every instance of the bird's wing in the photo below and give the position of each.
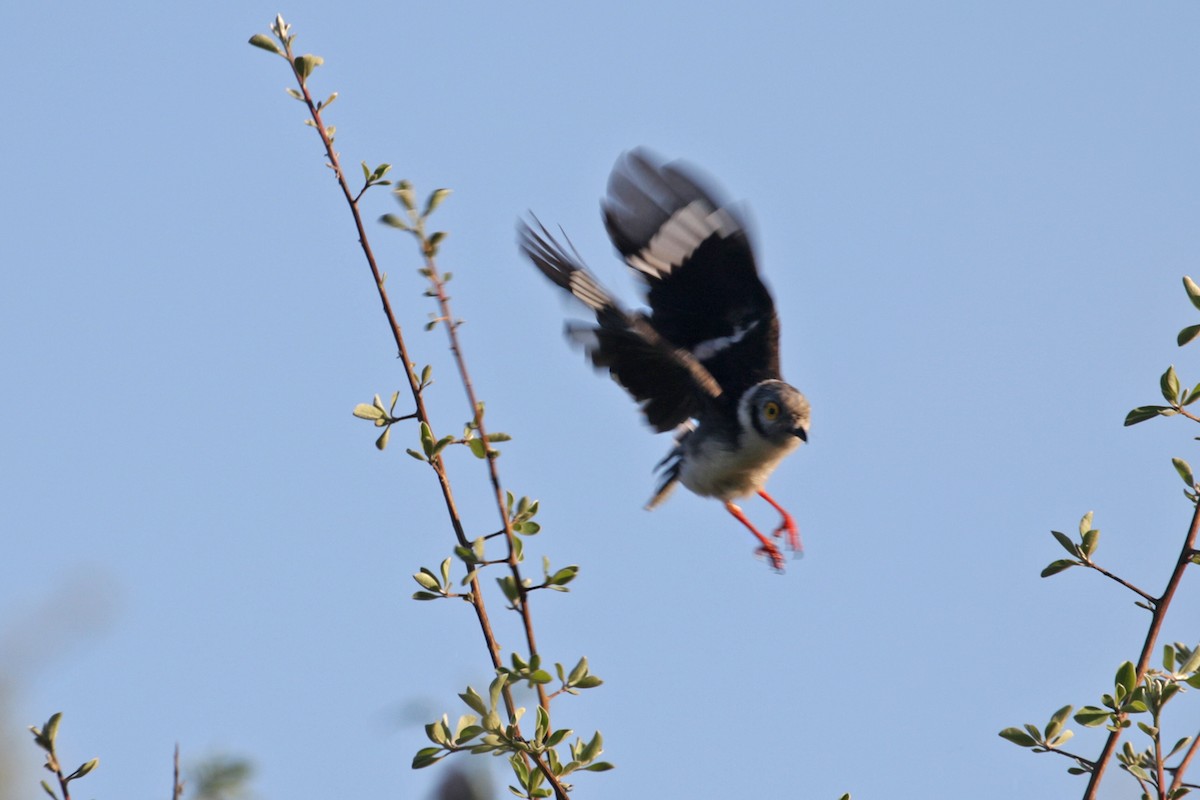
(695, 255)
(669, 383)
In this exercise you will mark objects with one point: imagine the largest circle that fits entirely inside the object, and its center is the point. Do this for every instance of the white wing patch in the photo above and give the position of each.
(679, 237)
(710, 347)
(584, 287)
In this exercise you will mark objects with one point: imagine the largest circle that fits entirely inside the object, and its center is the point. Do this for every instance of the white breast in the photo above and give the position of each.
(712, 468)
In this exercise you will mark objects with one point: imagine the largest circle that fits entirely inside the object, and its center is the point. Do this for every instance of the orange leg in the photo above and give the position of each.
(787, 525)
(768, 547)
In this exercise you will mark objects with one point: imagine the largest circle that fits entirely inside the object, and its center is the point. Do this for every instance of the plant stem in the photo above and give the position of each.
(1160, 605)
(422, 415)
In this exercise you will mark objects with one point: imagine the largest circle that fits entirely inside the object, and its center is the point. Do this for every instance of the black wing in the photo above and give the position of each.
(693, 251)
(667, 381)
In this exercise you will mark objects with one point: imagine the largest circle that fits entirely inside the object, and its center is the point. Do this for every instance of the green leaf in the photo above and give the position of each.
(1085, 523)
(50, 729)
(427, 580)
(1187, 334)
(46, 788)
(84, 769)
(404, 193)
(426, 596)
(527, 528)
(1169, 383)
(509, 586)
(415, 454)
(266, 43)
(472, 699)
(579, 671)
(588, 682)
(382, 441)
(395, 222)
(540, 676)
(1055, 567)
(305, 64)
(426, 756)
(1185, 471)
(592, 749)
(604, 766)
(1091, 716)
(435, 200)
(1193, 291)
(1143, 413)
(478, 447)
(427, 439)
(1054, 726)
(564, 575)
(1090, 540)
(1066, 543)
(1126, 678)
(498, 437)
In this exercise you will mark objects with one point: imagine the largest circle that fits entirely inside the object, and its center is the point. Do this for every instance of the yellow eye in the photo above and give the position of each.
(771, 410)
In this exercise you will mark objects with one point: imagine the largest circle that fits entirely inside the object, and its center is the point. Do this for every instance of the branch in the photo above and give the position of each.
(300, 72)
(1160, 606)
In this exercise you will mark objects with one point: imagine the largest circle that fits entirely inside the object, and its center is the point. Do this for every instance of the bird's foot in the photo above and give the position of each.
(772, 552)
(788, 526)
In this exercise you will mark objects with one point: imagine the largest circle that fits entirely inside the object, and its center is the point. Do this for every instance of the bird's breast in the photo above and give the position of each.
(723, 468)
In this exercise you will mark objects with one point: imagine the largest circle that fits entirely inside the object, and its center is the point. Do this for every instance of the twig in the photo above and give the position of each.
(422, 415)
(1181, 770)
(1160, 606)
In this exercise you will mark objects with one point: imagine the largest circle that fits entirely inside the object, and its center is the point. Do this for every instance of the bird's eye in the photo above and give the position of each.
(771, 410)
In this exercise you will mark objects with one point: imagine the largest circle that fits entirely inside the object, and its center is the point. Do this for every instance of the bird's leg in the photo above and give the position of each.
(768, 547)
(786, 525)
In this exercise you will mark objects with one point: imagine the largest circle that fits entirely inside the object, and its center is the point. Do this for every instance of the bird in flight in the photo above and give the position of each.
(704, 362)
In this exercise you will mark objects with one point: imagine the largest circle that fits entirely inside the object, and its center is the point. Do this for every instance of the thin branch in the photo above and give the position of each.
(177, 791)
(497, 488)
(1149, 598)
(1181, 770)
(1160, 604)
(422, 414)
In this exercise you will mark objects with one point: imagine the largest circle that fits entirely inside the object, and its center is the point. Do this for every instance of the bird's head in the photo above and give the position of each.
(777, 411)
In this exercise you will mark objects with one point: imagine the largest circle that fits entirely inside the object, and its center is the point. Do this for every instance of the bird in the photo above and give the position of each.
(704, 361)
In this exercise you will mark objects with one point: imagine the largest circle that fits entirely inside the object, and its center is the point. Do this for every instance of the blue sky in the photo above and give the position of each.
(974, 220)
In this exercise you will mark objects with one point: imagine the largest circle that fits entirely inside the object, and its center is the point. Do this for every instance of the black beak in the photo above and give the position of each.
(801, 434)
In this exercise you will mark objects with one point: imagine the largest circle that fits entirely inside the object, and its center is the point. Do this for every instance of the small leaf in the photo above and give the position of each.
(1169, 383)
(472, 699)
(50, 729)
(1090, 539)
(1066, 543)
(1126, 677)
(1185, 471)
(365, 411)
(46, 788)
(1056, 567)
(305, 64)
(604, 766)
(266, 43)
(1187, 334)
(435, 200)
(426, 756)
(1143, 413)
(426, 596)
(427, 580)
(415, 454)
(1193, 291)
(382, 441)
(395, 222)
(478, 447)
(1091, 716)
(1054, 726)
(404, 193)
(498, 437)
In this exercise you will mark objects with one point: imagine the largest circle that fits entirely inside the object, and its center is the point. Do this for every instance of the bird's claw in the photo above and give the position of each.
(772, 552)
(788, 526)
